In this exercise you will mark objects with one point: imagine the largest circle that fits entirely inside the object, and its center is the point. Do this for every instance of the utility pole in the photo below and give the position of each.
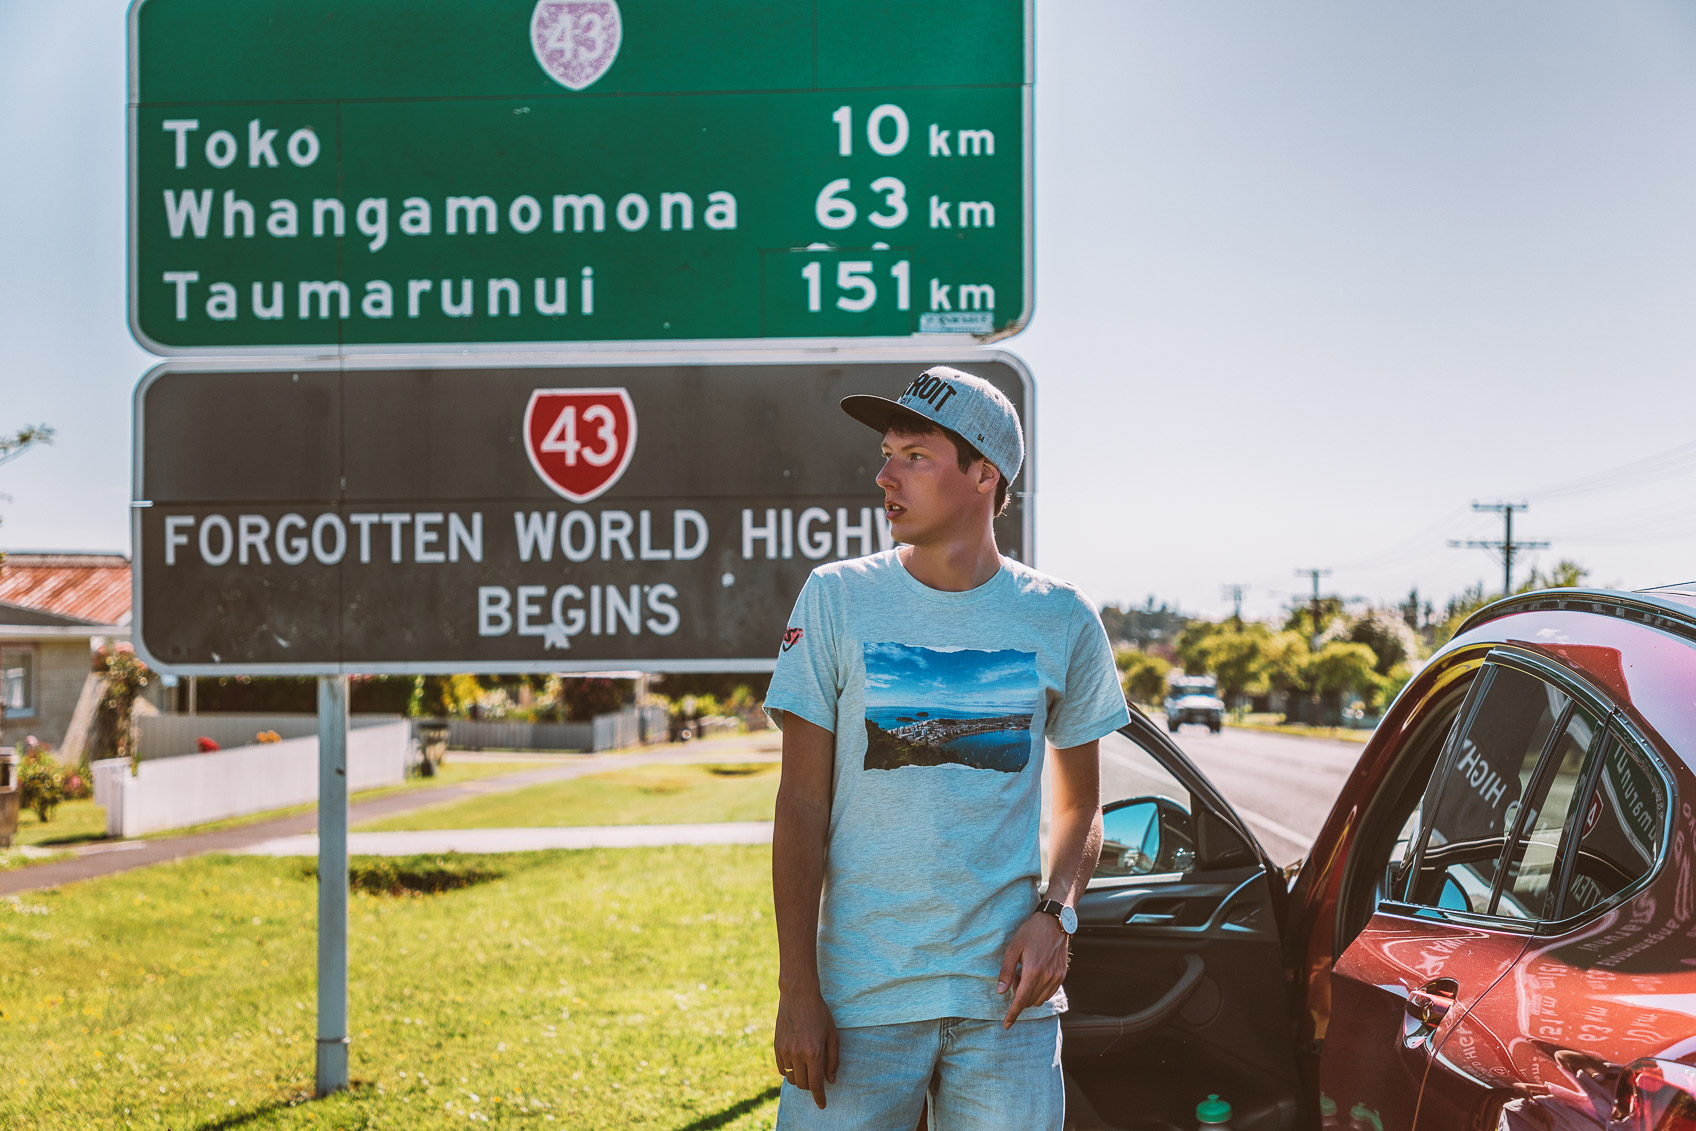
(1507, 545)
(1315, 574)
(1235, 593)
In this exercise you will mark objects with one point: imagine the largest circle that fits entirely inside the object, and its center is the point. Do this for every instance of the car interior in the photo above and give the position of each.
(1177, 987)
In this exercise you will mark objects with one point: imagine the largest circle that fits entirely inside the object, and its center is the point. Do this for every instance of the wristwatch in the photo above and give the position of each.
(1068, 918)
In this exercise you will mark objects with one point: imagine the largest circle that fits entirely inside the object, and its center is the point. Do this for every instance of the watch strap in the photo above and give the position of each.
(1055, 908)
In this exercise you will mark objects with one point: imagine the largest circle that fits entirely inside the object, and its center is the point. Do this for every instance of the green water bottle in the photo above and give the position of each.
(1363, 1118)
(1213, 1113)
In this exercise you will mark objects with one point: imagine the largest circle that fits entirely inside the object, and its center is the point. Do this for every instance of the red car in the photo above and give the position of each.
(1496, 927)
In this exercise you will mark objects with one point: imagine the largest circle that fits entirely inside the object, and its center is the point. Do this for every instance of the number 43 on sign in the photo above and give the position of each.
(580, 440)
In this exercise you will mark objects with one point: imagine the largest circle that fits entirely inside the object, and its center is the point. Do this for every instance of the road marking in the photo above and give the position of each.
(1266, 824)
(1303, 841)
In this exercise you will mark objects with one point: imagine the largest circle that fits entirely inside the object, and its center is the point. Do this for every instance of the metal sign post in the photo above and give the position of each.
(362, 174)
(332, 1069)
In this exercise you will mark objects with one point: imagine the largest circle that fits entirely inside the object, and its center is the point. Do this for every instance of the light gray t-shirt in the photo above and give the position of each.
(940, 703)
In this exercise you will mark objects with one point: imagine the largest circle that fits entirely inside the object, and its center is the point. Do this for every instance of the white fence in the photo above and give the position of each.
(166, 736)
(466, 734)
(169, 793)
(606, 732)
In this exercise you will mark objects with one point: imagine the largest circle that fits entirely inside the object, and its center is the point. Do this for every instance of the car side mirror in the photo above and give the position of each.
(1144, 836)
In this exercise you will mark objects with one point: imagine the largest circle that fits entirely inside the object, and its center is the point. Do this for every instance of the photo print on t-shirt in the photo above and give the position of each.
(949, 707)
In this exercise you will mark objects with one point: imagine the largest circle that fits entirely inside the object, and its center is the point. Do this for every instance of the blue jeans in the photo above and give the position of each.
(979, 1076)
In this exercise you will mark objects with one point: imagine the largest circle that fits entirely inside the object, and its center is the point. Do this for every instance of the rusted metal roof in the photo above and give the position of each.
(88, 587)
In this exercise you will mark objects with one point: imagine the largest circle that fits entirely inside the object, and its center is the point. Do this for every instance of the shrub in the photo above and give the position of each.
(42, 782)
(126, 676)
(1143, 674)
(411, 875)
(205, 745)
(77, 785)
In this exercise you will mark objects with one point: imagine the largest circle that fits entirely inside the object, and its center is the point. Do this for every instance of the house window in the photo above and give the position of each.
(17, 681)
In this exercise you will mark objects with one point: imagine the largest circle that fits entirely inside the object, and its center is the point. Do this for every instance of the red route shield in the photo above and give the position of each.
(580, 440)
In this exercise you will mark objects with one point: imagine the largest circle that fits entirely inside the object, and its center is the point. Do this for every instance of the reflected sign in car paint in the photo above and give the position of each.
(1422, 1016)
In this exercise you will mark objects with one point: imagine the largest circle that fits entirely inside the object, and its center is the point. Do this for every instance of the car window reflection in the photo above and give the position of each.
(1621, 828)
(1528, 888)
(1487, 779)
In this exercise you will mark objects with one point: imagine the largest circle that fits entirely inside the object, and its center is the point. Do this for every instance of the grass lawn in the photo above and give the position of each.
(83, 822)
(12, 858)
(604, 989)
(639, 795)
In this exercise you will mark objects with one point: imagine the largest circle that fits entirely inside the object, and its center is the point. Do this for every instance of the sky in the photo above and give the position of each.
(1312, 278)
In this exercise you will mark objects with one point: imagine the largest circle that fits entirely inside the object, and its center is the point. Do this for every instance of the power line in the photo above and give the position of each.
(1234, 592)
(1661, 465)
(1315, 574)
(1507, 545)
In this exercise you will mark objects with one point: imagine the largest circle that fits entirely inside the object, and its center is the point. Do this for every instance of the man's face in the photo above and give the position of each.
(926, 497)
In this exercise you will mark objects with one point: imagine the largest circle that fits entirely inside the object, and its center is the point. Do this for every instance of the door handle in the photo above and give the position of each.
(1431, 1002)
(1426, 1008)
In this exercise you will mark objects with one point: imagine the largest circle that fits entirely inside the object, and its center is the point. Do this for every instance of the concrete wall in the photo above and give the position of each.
(61, 666)
(170, 793)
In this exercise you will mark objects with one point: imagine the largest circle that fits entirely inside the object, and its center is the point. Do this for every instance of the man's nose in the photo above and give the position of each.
(886, 475)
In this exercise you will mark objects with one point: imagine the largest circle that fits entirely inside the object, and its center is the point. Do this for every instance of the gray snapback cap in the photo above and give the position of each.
(966, 405)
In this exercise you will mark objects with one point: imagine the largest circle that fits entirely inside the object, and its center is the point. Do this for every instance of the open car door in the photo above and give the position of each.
(1178, 986)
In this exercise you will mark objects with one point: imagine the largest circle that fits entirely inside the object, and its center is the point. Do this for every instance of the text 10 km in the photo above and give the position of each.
(859, 289)
(832, 209)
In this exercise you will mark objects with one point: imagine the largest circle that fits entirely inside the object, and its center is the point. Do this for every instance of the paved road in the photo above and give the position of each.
(1283, 786)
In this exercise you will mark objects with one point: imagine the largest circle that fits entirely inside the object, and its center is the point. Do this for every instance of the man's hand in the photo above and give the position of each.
(806, 1042)
(1034, 965)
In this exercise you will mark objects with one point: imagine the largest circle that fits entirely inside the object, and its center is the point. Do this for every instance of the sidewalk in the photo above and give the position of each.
(123, 855)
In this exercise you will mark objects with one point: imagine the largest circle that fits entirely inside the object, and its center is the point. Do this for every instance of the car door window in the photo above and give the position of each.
(1147, 826)
(1486, 778)
(1529, 884)
(1621, 828)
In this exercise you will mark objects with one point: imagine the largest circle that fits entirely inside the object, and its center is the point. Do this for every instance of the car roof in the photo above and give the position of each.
(1670, 608)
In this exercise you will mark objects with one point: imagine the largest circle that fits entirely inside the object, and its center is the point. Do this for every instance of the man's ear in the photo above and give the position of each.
(988, 477)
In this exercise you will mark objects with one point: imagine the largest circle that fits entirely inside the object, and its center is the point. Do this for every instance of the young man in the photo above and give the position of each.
(915, 689)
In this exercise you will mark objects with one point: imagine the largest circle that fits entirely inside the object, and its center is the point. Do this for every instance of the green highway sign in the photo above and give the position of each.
(347, 175)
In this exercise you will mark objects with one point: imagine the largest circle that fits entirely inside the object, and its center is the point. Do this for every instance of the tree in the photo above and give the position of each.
(1340, 667)
(1239, 658)
(1286, 653)
(1142, 674)
(1388, 635)
(1192, 644)
(21, 441)
(1142, 627)
(1565, 574)
(1300, 618)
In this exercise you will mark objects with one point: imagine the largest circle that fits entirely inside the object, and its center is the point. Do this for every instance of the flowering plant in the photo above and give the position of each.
(267, 736)
(42, 781)
(125, 676)
(205, 745)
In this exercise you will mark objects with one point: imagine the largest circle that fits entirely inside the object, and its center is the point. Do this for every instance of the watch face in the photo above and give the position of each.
(1068, 920)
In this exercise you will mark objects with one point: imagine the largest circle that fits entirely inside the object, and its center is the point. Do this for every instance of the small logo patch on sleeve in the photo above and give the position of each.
(791, 637)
